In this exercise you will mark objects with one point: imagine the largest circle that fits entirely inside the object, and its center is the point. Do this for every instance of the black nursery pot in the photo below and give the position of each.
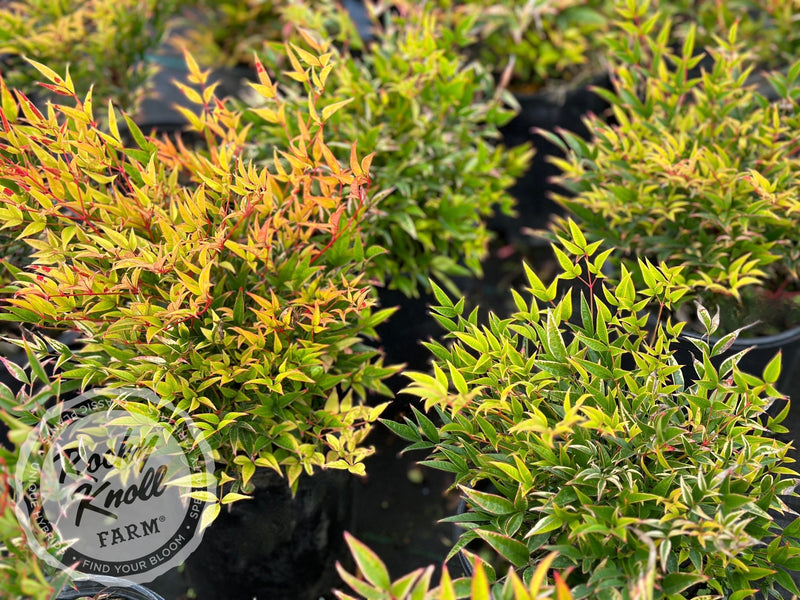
(549, 111)
(107, 590)
(275, 547)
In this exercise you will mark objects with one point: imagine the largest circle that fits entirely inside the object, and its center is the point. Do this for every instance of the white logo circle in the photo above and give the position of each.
(113, 484)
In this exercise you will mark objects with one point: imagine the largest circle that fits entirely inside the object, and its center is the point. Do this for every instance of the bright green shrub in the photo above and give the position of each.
(767, 28)
(570, 427)
(546, 42)
(695, 170)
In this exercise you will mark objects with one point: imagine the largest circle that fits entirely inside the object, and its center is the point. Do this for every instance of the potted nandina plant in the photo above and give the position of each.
(227, 33)
(104, 42)
(431, 119)
(235, 292)
(544, 43)
(700, 169)
(570, 427)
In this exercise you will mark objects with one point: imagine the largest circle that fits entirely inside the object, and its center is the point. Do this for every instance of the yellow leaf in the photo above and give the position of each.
(366, 163)
(539, 575)
(312, 110)
(209, 514)
(332, 108)
(112, 121)
(263, 77)
(190, 93)
(301, 76)
(313, 39)
(307, 57)
(293, 60)
(51, 75)
(195, 74)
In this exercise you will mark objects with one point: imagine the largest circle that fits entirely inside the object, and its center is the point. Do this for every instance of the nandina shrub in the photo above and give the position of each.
(226, 33)
(767, 28)
(22, 574)
(699, 170)
(570, 427)
(432, 119)
(104, 42)
(376, 584)
(543, 43)
(234, 291)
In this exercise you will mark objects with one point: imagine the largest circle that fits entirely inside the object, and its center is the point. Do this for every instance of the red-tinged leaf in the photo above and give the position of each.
(46, 71)
(362, 588)
(369, 564)
(15, 370)
(355, 167)
(56, 89)
(562, 591)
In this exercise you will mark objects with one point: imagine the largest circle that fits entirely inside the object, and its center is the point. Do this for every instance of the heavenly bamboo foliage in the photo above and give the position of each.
(432, 119)
(103, 42)
(230, 31)
(233, 291)
(375, 583)
(569, 427)
(697, 168)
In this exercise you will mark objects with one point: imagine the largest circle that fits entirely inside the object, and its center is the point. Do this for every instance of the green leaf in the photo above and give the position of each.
(138, 136)
(784, 579)
(495, 505)
(544, 525)
(402, 430)
(554, 339)
(7, 399)
(773, 369)
(427, 426)
(675, 583)
(512, 550)
(36, 366)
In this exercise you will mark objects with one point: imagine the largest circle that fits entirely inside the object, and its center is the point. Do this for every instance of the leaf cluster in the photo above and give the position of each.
(375, 583)
(104, 42)
(432, 121)
(22, 573)
(570, 427)
(227, 32)
(234, 291)
(697, 167)
(766, 27)
(545, 41)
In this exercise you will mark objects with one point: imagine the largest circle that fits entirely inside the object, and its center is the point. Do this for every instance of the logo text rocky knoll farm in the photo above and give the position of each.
(104, 482)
